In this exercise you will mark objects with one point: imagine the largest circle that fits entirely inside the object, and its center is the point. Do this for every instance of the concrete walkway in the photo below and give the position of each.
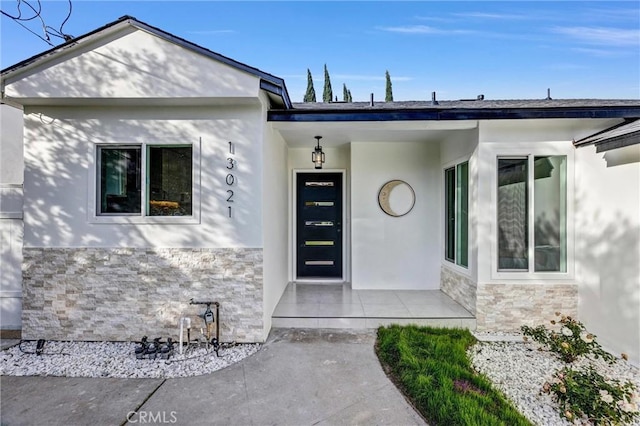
(300, 377)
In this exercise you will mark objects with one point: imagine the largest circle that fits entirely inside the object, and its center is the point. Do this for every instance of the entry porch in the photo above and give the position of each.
(329, 305)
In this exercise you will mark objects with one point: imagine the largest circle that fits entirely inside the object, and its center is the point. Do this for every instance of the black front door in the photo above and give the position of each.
(319, 225)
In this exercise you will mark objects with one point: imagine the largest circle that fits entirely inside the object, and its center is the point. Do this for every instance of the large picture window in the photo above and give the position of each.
(166, 171)
(457, 214)
(532, 213)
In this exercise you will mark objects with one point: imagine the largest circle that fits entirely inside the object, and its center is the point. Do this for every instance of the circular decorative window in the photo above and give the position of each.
(396, 198)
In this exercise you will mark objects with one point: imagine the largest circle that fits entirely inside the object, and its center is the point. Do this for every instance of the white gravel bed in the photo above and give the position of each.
(115, 359)
(520, 369)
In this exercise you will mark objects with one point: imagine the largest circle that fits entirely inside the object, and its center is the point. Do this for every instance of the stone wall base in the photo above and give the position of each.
(506, 307)
(125, 293)
(459, 287)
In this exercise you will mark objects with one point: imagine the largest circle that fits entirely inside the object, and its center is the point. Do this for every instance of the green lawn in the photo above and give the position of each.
(431, 367)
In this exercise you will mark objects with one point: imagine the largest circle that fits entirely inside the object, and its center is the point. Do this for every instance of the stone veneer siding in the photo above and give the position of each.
(506, 307)
(126, 293)
(459, 287)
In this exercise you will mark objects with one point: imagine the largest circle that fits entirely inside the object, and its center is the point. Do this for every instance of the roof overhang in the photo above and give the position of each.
(446, 114)
(621, 135)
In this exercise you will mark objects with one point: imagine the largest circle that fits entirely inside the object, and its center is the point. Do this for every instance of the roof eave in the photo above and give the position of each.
(430, 114)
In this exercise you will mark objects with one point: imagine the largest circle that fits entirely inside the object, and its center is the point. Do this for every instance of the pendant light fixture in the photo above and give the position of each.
(317, 156)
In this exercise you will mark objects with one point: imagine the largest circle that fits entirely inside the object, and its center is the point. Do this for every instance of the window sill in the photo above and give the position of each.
(532, 276)
(462, 270)
(144, 220)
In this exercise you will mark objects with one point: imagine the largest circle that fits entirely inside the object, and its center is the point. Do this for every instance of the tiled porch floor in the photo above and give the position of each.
(338, 306)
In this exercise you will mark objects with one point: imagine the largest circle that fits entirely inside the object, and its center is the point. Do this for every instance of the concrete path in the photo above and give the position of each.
(300, 377)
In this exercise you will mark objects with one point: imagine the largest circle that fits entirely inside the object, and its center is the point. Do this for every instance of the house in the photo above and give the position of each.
(157, 172)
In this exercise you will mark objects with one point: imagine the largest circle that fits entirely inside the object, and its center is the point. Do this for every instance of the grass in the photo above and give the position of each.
(431, 367)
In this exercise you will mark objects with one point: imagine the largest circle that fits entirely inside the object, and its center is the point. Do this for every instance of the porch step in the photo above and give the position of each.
(369, 322)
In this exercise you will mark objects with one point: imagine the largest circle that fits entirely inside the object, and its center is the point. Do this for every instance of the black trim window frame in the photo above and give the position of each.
(124, 182)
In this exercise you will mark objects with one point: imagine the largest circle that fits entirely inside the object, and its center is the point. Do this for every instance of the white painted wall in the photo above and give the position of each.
(608, 246)
(455, 148)
(11, 226)
(60, 146)
(275, 200)
(132, 64)
(395, 252)
(523, 137)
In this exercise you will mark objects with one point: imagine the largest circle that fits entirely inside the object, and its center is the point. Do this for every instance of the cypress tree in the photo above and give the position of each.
(310, 94)
(349, 98)
(389, 92)
(327, 95)
(345, 93)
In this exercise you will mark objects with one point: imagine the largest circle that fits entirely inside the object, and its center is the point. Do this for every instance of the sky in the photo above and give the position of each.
(502, 49)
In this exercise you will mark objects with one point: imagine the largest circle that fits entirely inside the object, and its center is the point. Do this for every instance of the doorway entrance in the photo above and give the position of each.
(319, 241)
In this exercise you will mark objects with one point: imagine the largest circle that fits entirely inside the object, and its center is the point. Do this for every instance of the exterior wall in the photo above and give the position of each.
(137, 65)
(505, 301)
(458, 282)
(608, 246)
(395, 252)
(125, 293)
(506, 307)
(275, 224)
(60, 161)
(11, 226)
(459, 287)
(60, 150)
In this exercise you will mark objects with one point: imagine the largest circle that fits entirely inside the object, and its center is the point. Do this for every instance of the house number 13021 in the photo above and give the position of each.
(230, 180)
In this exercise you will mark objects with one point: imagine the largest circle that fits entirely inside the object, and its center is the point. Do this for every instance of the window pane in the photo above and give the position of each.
(170, 183)
(450, 213)
(119, 180)
(550, 213)
(462, 213)
(512, 214)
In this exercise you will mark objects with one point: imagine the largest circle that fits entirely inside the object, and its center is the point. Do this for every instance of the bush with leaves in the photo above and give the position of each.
(584, 396)
(570, 342)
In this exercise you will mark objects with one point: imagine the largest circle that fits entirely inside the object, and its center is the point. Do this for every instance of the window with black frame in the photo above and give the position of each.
(166, 171)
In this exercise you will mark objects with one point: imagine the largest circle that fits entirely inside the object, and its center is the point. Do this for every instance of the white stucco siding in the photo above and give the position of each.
(10, 273)
(524, 138)
(608, 246)
(395, 252)
(132, 64)
(276, 221)
(456, 148)
(11, 157)
(60, 156)
(11, 212)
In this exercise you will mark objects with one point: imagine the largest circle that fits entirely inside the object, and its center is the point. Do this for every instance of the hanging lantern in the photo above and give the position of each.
(317, 156)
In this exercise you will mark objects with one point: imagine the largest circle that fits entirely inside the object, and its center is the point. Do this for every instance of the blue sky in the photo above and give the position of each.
(503, 49)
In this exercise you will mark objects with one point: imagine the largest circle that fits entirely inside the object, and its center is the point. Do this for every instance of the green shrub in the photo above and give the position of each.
(587, 396)
(584, 395)
(570, 342)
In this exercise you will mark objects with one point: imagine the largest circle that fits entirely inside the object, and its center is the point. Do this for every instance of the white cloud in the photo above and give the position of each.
(483, 15)
(423, 29)
(601, 35)
(597, 52)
